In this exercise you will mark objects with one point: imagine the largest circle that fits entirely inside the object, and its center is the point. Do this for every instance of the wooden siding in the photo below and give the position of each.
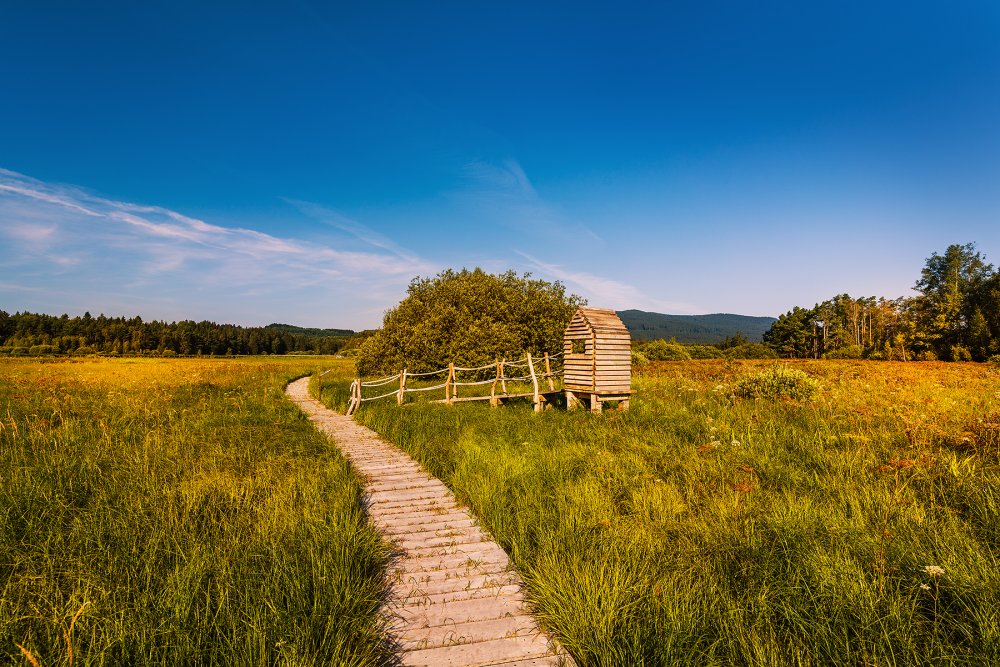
(606, 364)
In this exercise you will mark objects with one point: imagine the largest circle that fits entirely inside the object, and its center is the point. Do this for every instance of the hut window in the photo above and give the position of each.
(579, 346)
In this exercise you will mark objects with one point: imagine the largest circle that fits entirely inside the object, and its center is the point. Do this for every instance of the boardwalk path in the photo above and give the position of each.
(455, 599)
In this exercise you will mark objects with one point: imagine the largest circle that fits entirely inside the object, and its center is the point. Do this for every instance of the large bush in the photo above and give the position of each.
(469, 318)
(776, 383)
(705, 352)
(847, 352)
(661, 350)
(751, 351)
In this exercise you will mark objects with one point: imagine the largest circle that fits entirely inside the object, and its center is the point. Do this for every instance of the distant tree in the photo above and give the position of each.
(794, 333)
(469, 318)
(946, 305)
(735, 340)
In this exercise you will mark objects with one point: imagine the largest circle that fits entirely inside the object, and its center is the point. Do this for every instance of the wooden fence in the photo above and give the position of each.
(543, 383)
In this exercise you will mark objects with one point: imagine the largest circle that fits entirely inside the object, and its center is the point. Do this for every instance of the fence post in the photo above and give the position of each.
(352, 405)
(493, 386)
(449, 385)
(534, 382)
(548, 373)
(402, 388)
(502, 370)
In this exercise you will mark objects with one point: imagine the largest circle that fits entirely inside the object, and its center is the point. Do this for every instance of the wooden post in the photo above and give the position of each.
(493, 386)
(355, 401)
(449, 385)
(402, 388)
(503, 375)
(534, 382)
(572, 402)
(548, 373)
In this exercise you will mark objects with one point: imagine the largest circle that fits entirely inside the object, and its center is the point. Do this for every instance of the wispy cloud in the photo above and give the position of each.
(605, 292)
(53, 230)
(357, 230)
(502, 190)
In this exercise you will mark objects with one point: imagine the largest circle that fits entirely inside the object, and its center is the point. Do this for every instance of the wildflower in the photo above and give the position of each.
(925, 587)
(933, 570)
(736, 443)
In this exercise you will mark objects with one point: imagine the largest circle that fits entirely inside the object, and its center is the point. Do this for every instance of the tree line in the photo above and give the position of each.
(954, 317)
(34, 334)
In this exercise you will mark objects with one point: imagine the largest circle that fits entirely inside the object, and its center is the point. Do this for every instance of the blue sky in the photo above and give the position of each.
(301, 161)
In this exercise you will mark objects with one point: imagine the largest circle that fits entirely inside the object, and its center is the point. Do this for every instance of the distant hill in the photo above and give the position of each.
(704, 329)
(305, 331)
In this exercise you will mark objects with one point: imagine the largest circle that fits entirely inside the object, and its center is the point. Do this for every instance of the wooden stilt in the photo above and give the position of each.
(534, 383)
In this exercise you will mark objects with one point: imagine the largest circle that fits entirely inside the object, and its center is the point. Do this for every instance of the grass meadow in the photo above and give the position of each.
(178, 512)
(859, 528)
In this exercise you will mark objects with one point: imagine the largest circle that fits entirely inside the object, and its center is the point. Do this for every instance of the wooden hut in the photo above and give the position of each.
(598, 354)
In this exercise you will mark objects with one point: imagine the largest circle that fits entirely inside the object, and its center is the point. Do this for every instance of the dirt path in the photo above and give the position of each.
(455, 598)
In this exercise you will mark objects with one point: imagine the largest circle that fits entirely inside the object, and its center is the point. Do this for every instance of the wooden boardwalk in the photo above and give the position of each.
(455, 598)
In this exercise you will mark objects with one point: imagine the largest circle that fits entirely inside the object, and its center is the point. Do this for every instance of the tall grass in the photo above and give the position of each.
(178, 512)
(700, 528)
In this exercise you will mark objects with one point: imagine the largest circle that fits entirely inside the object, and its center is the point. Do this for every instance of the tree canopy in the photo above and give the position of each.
(955, 316)
(30, 333)
(468, 318)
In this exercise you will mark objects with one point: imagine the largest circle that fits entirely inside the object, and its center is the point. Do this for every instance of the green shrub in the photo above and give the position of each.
(960, 353)
(705, 352)
(848, 352)
(42, 350)
(661, 350)
(776, 383)
(639, 359)
(993, 361)
(751, 351)
(19, 352)
(84, 350)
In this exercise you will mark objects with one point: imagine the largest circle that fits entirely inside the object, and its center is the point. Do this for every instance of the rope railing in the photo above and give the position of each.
(452, 383)
(375, 398)
(477, 368)
(428, 373)
(379, 383)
